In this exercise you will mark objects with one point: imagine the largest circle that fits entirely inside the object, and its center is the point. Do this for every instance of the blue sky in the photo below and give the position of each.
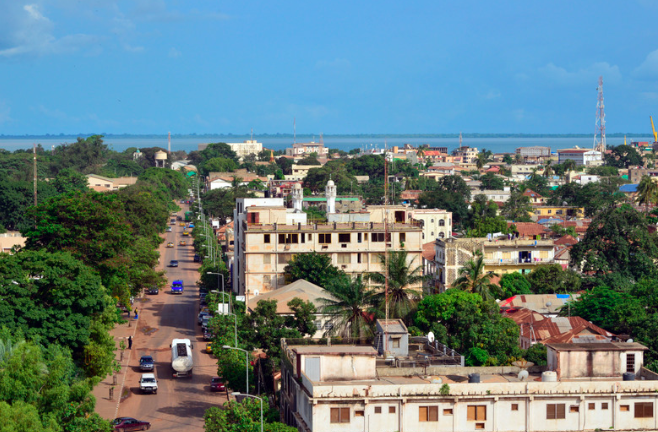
(152, 66)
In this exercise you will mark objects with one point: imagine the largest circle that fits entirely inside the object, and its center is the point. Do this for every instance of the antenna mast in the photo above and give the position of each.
(34, 152)
(169, 143)
(294, 130)
(600, 120)
(386, 246)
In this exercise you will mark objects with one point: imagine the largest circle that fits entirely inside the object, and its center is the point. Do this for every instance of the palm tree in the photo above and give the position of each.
(518, 158)
(647, 192)
(402, 299)
(569, 165)
(472, 278)
(350, 308)
(548, 169)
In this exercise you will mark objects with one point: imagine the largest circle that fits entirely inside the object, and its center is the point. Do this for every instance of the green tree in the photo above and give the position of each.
(69, 180)
(403, 275)
(517, 208)
(508, 159)
(220, 203)
(313, 267)
(491, 181)
(622, 156)
(85, 155)
(217, 164)
(536, 354)
(551, 279)
(472, 278)
(351, 308)
(617, 242)
(214, 150)
(243, 417)
(647, 192)
(512, 284)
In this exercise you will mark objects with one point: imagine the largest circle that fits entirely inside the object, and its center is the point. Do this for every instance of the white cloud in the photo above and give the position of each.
(26, 30)
(174, 53)
(133, 49)
(649, 67)
(492, 94)
(583, 76)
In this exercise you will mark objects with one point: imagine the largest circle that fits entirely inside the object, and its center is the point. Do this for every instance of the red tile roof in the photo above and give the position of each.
(428, 251)
(566, 240)
(532, 194)
(528, 229)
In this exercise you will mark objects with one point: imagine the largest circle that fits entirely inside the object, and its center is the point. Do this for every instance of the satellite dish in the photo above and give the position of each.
(430, 337)
(523, 375)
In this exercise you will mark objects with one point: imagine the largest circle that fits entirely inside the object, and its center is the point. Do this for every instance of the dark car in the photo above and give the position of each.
(130, 424)
(216, 384)
(173, 263)
(146, 363)
(197, 258)
(153, 290)
(207, 335)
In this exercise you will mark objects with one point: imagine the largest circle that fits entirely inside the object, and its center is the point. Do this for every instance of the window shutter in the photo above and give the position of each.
(471, 413)
(434, 413)
(560, 411)
(344, 415)
(481, 412)
(256, 217)
(550, 411)
(422, 414)
(335, 415)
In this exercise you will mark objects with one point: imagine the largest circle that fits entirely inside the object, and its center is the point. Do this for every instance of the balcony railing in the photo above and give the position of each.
(517, 261)
(330, 227)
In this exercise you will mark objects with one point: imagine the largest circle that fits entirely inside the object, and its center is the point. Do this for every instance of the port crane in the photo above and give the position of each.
(655, 135)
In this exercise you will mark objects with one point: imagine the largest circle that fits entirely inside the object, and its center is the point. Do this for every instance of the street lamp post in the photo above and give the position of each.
(246, 364)
(223, 294)
(261, 405)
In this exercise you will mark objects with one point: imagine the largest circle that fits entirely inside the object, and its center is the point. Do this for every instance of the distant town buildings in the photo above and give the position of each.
(535, 153)
(582, 157)
(104, 184)
(304, 149)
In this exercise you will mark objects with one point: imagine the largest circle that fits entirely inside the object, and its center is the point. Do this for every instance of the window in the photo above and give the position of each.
(358, 258)
(431, 220)
(441, 235)
(365, 236)
(340, 415)
(643, 409)
(476, 413)
(395, 343)
(359, 237)
(574, 409)
(325, 238)
(442, 222)
(266, 238)
(302, 239)
(391, 409)
(377, 237)
(282, 239)
(630, 363)
(515, 407)
(447, 411)
(403, 237)
(252, 217)
(344, 258)
(344, 238)
(358, 413)
(604, 406)
(267, 280)
(624, 408)
(293, 238)
(378, 410)
(310, 237)
(555, 411)
(428, 413)
(591, 406)
(267, 258)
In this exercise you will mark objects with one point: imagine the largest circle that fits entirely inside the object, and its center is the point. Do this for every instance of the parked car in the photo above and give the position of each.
(173, 221)
(209, 347)
(197, 258)
(216, 384)
(207, 335)
(146, 363)
(153, 290)
(130, 424)
(168, 229)
(191, 225)
(148, 383)
(170, 245)
(173, 263)
(181, 224)
(201, 316)
(182, 243)
(186, 233)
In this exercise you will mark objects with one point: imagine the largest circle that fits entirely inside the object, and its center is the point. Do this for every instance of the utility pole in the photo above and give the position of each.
(34, 152)
(386, 247)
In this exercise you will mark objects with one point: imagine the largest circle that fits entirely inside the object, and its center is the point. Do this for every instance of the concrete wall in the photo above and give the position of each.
(341, 367)
(581, 364)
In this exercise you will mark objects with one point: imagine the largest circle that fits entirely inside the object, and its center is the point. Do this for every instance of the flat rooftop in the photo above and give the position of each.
(335, 350)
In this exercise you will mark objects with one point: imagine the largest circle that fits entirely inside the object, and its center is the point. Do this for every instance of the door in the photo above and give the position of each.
(312, 368)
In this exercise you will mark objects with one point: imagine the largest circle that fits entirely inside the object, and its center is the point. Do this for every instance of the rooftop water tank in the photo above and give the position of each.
(474, 378)
(549, 376)
(629, 376)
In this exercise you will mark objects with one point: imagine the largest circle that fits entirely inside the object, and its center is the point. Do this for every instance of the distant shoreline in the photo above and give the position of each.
(317, 136)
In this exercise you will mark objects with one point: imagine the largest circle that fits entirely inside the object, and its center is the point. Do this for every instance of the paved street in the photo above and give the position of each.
(179, 402)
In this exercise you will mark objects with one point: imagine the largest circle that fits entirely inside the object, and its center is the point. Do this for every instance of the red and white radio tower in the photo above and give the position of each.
(599, 131)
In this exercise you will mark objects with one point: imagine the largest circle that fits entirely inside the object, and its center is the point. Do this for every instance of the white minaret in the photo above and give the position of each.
(331, 197)
(297, 197)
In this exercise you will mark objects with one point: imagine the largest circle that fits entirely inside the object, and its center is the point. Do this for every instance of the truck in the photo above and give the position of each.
(177, 287)
(148, 383)
(188, 216)
(181, 358)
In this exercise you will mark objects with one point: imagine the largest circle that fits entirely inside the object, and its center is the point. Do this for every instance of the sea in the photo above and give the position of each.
(190, 143)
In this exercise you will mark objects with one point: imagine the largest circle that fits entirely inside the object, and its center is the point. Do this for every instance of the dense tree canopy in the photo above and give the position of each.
(312, 267)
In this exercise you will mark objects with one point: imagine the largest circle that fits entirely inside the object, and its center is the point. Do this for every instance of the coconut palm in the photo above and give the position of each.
(472, 278)
(350, 308)
(647, 192)
(548, 168)
(402, 275)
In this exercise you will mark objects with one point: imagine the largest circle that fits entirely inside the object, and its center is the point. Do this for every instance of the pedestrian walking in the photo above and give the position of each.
(130, 342)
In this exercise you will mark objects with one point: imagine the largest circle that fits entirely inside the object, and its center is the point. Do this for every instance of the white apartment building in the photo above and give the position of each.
(468, 154)
(436, 223)
(303, 149)
(534, 152)
(268, 235)
(246, 148)
(494, 195)
(582, 157)
(349, 388)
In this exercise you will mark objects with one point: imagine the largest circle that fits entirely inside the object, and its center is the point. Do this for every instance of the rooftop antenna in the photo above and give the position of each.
(169, 143)
(460, 140)
(321, 141)
(386, 246)
(599, 124)
(294, 130)
(34, 153)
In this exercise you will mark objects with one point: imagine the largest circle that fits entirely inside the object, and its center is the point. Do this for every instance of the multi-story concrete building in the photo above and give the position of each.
(468, 154)
(268, 235)
(544, 211)
(534, 153)
(436, 223)
(500, 256)
(635, 174)
(303, 149)
(495, 195)
(586, 386)
(300, 171)
(586, 157)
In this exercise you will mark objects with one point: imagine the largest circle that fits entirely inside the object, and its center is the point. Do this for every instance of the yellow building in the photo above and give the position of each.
(562, 212)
